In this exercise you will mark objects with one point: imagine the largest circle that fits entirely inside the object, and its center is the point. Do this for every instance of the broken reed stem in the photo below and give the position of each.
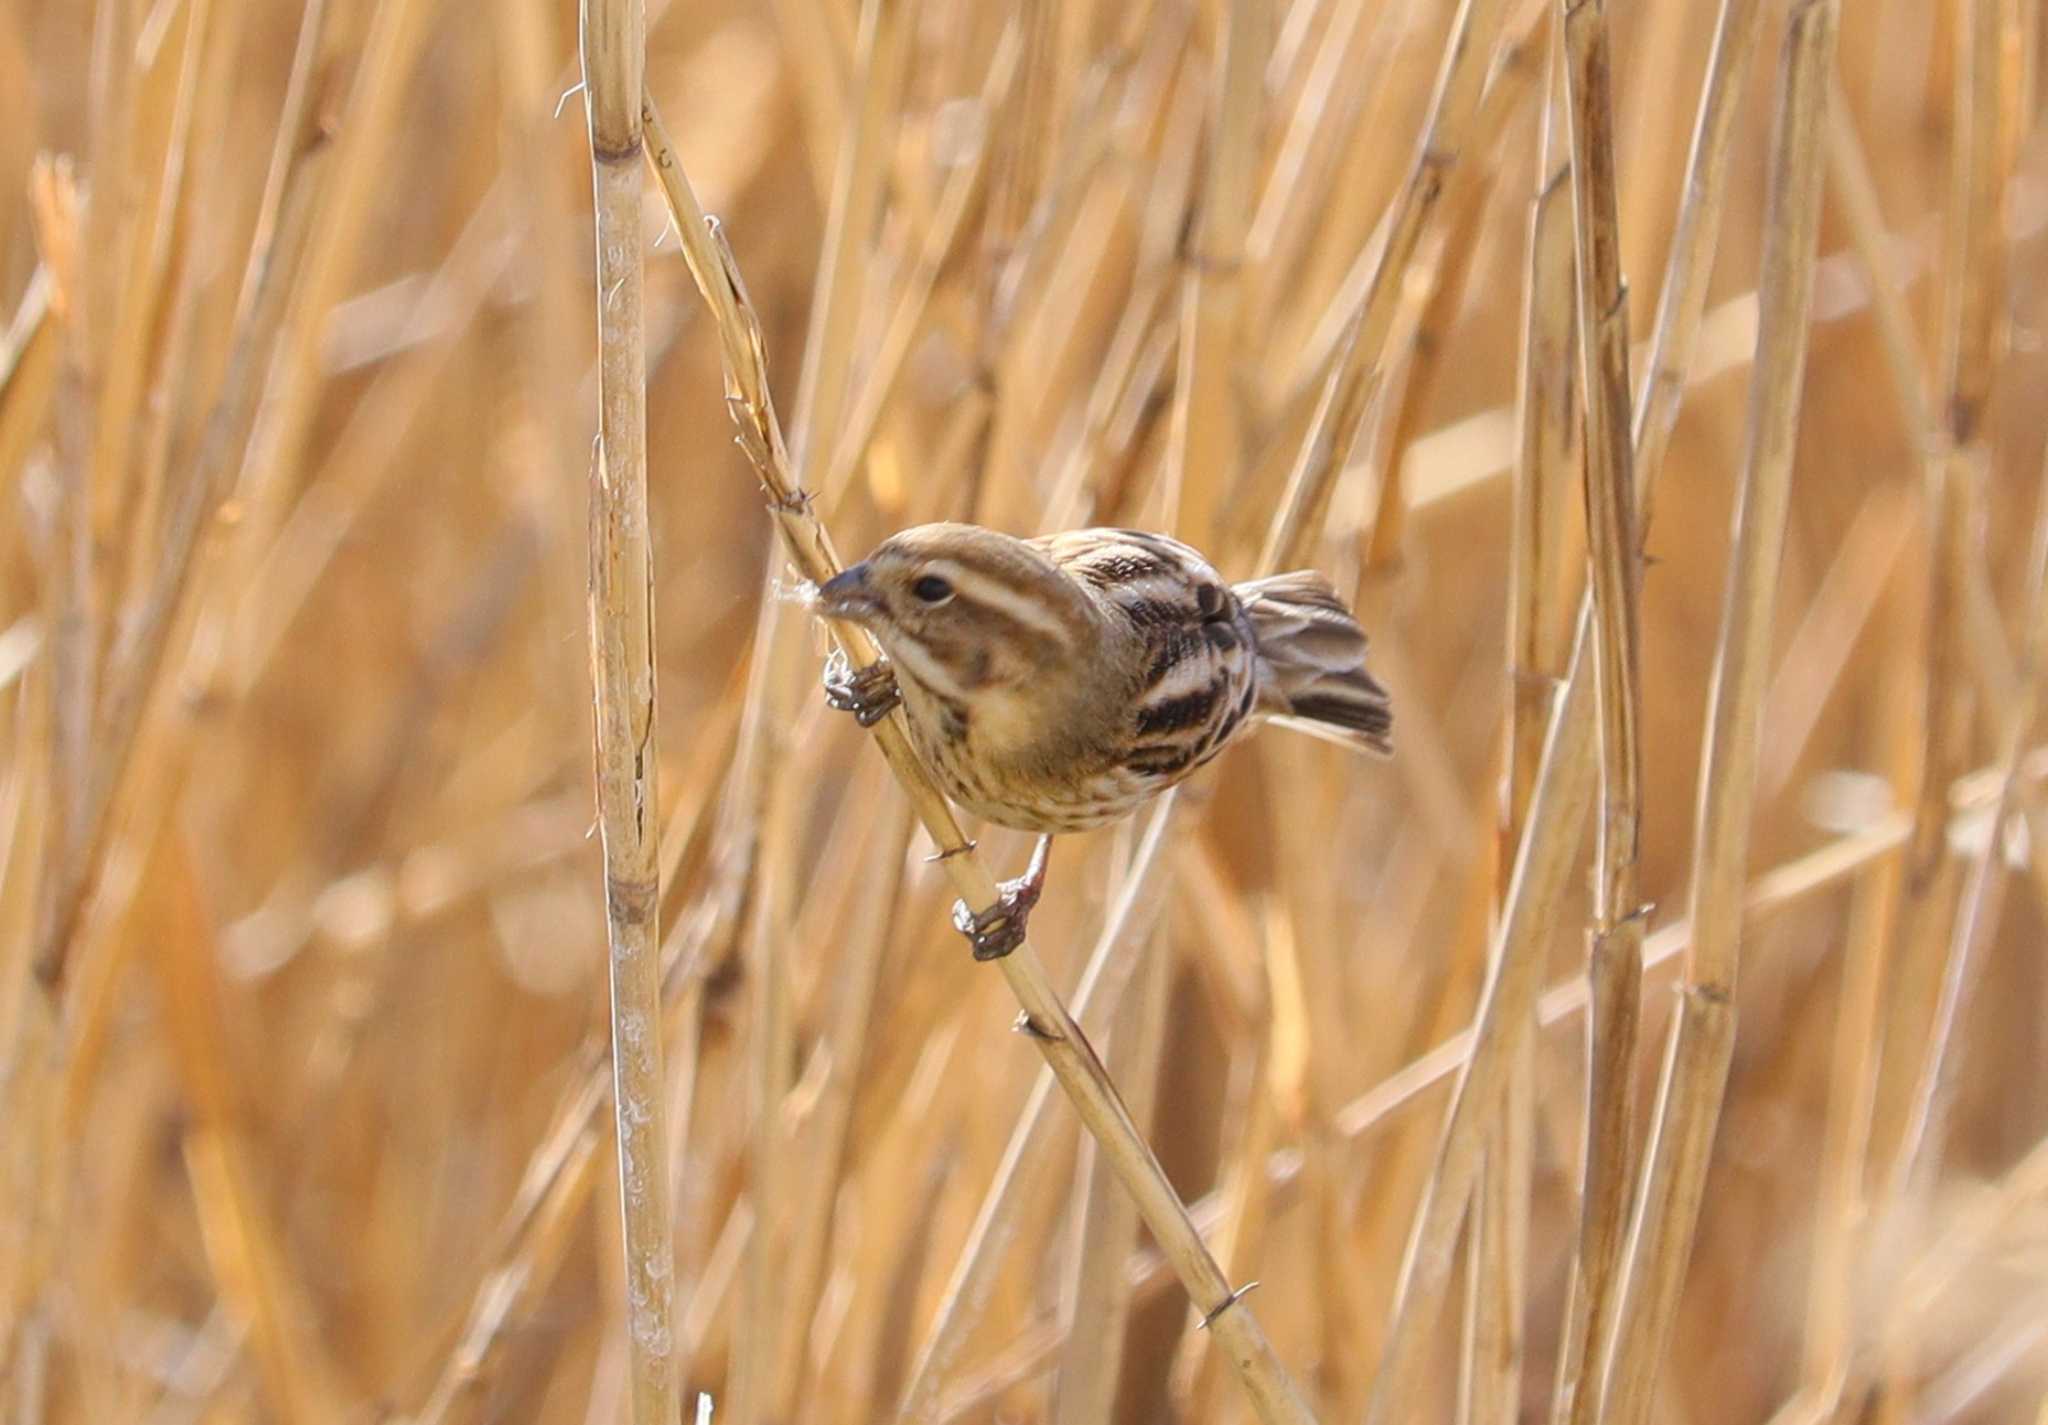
(1703, 1035)
(1273, 1395)
(1615, 951)
(622, 670)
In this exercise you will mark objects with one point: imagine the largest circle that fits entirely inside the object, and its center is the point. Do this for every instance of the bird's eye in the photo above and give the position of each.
(932, 589)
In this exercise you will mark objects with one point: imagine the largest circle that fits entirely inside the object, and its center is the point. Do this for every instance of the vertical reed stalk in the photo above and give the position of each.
(622, 672)
(1615, 952)
(1703, 1036)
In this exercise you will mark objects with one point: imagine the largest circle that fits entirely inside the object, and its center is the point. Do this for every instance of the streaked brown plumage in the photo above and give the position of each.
(1056, 684)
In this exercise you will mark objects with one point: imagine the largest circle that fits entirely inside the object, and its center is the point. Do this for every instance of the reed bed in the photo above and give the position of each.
(453, 968)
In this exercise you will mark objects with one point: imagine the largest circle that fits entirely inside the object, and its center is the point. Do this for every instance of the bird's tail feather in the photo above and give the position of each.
(1312, 673)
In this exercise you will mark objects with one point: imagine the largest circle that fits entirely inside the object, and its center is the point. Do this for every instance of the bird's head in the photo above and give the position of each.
(963, 610)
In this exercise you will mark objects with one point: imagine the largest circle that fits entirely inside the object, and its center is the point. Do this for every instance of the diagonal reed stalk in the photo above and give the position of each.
(1046, 1020)
(1826, 867)
(1703, 1035)
(967, 1288)
(622, 669)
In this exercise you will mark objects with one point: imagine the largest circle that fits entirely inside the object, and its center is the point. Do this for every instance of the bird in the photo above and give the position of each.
(1057, 684)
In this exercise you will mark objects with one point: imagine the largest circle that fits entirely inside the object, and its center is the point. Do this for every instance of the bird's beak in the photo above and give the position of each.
(850, 595)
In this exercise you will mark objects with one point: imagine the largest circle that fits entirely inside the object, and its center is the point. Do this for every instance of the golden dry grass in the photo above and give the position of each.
(304, 1023)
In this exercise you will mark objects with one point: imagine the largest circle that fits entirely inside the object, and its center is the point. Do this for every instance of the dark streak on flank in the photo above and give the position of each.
(1174, 714)
(1176, 645)
(1154, 613)
(1159, 761)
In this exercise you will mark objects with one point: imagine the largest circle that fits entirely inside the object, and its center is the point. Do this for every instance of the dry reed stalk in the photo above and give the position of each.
(622, 674)
(249, 1255)
(1325, 108)
(1359, 363)
(1562, 787)
(1849, 171)
(347, 792)
(1703, 1035)
(157, 612)
(1205, 440)
(398, 31)
(879, 61)
(1499, 1334)
(1933, 1273)
(561, 1170)
(1265, 1071)
(1615, 943)
(1958, 453)
(770, 1063)
(136, 721)
(1561, 799)
(1830, 1308)
(1047, 1022)
(1682, 301)
(1856, 191)
(1788, 885)
(1470, 190)
(1844, 605)
(821, 41)
(1977, 914)
(28, 370)
(967, 1289)
(1830, 1347)
(1972, 339)
(882, 900)
(1099, 1316)
(1547, 419)
(942, 239)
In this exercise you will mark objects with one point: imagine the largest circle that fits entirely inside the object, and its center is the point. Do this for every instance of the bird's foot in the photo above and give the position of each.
(869, 693)
(999, 929)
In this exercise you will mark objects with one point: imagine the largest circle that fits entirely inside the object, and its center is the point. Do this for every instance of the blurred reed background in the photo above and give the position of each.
(303, 1024)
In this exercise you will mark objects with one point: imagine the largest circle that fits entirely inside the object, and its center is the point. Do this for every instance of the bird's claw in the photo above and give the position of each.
(869, 693)
(999, 929)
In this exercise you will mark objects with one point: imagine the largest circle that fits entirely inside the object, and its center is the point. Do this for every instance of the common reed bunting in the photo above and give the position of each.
(1056, 684)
